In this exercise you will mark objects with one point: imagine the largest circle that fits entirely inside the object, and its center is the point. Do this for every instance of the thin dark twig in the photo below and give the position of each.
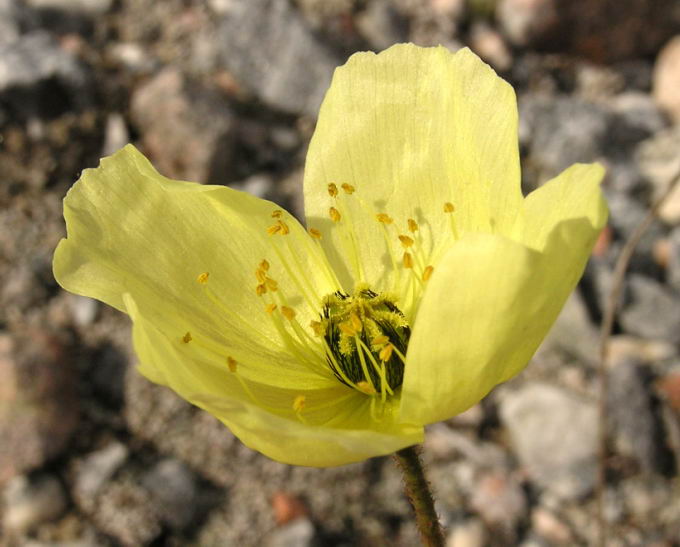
(608, 318)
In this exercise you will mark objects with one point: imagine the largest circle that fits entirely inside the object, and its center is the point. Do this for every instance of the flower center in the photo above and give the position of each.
(366, 337)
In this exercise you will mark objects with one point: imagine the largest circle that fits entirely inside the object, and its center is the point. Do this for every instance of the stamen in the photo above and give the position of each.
(202, 279)
(427, 273)
(384, 218)
(261, 289)
(260, 275)
(380, 340)
(348, 188)
(285, 230)
(386, 353)
(271, 284)
(277, 213)
(448, 207)
(356, 323)
(406, 241)
(366, 387)
(187, 338)
(316, 234)
(264, 265)
(288, 313)
(299, 403)
(332, 190)
(232, 364)
(334, 214)
(412, 226)
(271, 308)
(274, 229)
(408, 260)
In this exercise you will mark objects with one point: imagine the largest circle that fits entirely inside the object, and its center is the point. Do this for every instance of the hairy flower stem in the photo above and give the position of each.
(420, 496)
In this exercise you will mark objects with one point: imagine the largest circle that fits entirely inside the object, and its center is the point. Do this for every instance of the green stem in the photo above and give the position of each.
(420, 496)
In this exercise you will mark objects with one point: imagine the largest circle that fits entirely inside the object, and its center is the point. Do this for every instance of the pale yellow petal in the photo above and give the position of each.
(131, 230)
(332, 426)
(411, 129)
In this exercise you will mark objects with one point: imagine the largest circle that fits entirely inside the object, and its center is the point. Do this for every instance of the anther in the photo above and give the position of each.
(288, 313)
(347, 328)
(386, 353)
(264, 266)
(334, 214)
(271, 308)
(316, 234)
(366, 387)
(277, 213)
(203, 278)
(271, 284)
(406, 241)
(356, 322)
(261, 289)
(332, 190)
(408, 261)
(317, 327)
(427, 273)
(231, 363)
(384, 218)
(187, 338)
(448, 207)
(348, 188)
(380, 340)
(274, 229)
(412, 226)
(285, 230)
(261, 275)
(299, 403)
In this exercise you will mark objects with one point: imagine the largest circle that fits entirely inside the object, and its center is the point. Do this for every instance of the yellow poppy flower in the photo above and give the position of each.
(423, 279)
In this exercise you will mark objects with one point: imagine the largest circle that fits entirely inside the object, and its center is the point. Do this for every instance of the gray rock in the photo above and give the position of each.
(14, 17)
(297, 533)
(382, 25)
(36, 57)
(187, 128)
(562, 131)
(667, 78)
(501, 502)
(652, 310)
(673, 268)
(554, 435)
(84, 7)
(291, 69)
(38, 402)
(637, 430)
(95, 470)
(172, 486)
(31, 501)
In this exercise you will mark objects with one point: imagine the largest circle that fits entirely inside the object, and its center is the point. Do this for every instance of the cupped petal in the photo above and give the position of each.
(411, 129)
(502, 298)
(131, 230)
(333, 426)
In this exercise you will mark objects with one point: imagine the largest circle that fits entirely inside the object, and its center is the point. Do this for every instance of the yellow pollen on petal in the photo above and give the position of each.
(408, 260)
(334, 214)
(274, 229)
(203, 278)
(412, 226)
(271, 284)
(288, 313)
(187, 338)
(231, 363)
(348, 188)
(384, 218)
(277, 213)
(366, 387)
(299, 403)
(448, 207)
(264, 266)
(316, 234)
(406, 241)
(332, 190)
(261, 289)
(386, 353)
(271, 308)
(427, 273)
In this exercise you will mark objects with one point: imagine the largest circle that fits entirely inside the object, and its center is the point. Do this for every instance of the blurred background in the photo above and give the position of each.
(226, 92)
